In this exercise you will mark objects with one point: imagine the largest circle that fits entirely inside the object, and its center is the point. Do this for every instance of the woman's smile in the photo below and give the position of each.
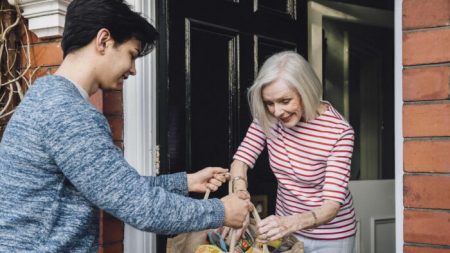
(283, 103)
(286, 118)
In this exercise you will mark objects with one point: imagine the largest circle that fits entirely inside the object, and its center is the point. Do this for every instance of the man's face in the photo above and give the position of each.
(119, 63)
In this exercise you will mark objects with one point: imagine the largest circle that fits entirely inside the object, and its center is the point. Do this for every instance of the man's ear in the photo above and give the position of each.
(103, 40)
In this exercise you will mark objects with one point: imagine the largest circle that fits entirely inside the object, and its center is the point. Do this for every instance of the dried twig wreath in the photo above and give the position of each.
(15, 76)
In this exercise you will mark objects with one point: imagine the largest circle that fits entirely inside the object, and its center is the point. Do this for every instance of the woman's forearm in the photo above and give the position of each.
(275, 227)
(317, 216)
(238, 173)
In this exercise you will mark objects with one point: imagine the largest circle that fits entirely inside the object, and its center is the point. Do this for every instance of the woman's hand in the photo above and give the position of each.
(208, 178)
(275, 227)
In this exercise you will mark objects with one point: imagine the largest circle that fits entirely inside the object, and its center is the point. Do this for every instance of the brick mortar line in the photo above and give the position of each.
(56, 41)
(428, 210)
(446, 63)
(434, 246)
(425, 29)
(110, 243)
(427, 102)
(118, 142)
(431, 138)
(431, 174)
(115, 117)
(32, 68)
(426, 174)
(111, 115)
(113, 90)
(431, 65)
(41, 66)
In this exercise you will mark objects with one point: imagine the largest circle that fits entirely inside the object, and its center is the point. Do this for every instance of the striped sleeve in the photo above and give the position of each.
(252, 145)
(337, 172)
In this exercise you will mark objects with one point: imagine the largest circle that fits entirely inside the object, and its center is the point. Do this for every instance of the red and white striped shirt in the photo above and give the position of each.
(311, 162)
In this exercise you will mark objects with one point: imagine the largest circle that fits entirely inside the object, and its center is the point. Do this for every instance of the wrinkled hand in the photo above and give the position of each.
(208, 178)
(275, 227)
(237, 208)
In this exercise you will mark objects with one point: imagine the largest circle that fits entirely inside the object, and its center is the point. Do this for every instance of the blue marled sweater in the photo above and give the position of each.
(58, 165)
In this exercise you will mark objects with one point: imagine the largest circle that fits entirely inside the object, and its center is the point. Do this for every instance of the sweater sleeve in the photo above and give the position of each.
(252, 145)
(337, 172)
(79, 141)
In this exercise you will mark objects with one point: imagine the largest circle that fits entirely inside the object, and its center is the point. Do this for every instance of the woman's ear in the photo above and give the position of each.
(103, 40)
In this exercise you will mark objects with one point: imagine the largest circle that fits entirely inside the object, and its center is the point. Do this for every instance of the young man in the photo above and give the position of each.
(58, 163)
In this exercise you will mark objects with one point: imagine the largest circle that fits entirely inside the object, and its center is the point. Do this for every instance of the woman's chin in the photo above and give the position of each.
(291, 123)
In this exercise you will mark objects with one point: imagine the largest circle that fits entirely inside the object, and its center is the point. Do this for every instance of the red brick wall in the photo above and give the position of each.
(47, 55)
(426, 121)
(426, 125)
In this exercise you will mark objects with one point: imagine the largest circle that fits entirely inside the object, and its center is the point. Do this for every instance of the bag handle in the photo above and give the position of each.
(233, 231)
(208, 191)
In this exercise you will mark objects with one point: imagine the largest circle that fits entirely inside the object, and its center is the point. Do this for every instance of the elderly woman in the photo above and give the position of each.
(310, 148)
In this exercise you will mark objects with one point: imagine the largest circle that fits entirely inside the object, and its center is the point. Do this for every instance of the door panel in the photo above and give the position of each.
(211, 64)
(267, 47)
(208, 56)
(283, 8)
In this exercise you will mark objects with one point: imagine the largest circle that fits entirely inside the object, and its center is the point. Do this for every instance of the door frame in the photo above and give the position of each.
(398, 124)
(140, 135)
(140, 126)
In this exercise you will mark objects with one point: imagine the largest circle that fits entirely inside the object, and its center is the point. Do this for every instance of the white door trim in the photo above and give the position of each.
(398, 104)
(139, 104)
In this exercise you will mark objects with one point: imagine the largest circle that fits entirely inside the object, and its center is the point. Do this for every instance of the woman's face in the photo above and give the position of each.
(283, 102)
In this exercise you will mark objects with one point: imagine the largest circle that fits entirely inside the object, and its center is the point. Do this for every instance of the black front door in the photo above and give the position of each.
(209, 53)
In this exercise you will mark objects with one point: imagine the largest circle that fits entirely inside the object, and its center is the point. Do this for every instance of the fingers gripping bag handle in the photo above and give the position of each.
(233, 231)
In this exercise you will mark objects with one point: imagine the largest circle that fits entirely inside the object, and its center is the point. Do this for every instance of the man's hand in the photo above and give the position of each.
(225, 231)
(237, 208)
(208, 178)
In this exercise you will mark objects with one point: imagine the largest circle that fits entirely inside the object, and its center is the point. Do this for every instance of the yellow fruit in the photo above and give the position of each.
(208, 249)
(275, 243)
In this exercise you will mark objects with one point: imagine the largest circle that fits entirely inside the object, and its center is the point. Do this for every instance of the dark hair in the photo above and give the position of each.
(84, 18)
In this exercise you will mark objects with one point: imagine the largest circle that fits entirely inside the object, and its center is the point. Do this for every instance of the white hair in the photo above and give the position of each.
(292, 68)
